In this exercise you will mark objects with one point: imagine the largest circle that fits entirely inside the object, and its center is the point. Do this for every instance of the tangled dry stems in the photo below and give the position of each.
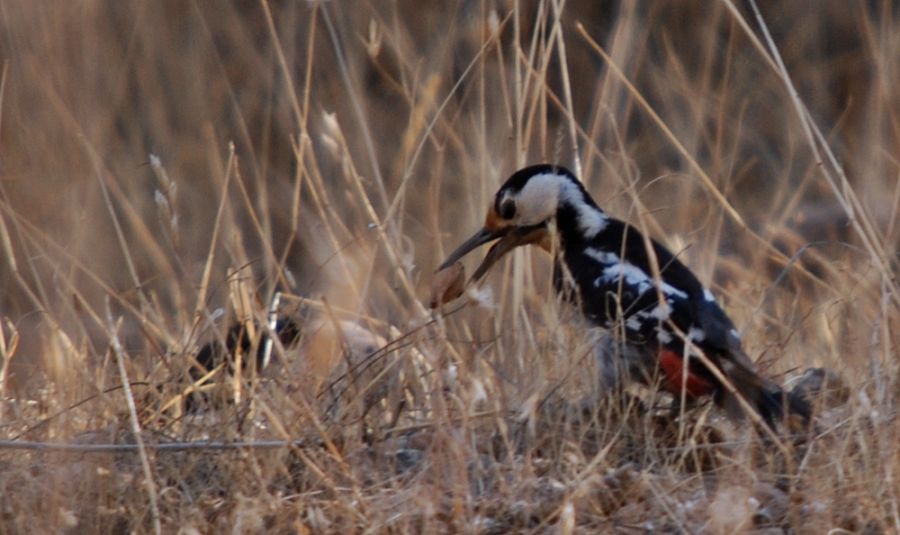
(331, 151)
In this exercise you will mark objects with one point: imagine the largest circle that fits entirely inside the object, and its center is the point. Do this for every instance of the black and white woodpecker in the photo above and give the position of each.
(605, 265)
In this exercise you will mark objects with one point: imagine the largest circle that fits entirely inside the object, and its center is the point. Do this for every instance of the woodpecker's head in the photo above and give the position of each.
(522, 207)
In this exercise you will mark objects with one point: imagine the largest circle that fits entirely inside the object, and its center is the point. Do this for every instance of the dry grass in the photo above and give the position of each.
(167, 167)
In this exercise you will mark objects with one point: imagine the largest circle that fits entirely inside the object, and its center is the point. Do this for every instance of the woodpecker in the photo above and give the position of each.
(662, 323)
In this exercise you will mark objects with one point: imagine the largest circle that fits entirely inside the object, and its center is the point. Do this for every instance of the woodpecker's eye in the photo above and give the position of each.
(508, 209)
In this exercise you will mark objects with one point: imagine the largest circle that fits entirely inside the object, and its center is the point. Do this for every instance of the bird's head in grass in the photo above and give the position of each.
(522, 210)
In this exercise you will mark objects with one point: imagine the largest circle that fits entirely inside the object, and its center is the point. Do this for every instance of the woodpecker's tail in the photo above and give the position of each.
(772, 402)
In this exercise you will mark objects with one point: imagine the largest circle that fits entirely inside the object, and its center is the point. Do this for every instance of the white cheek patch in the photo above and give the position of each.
(541, 196)
(539, 199)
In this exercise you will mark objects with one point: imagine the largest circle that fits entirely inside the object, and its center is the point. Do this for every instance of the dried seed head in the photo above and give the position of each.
(448, 284)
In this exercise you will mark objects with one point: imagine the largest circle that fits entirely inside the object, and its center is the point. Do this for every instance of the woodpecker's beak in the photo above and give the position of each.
(478, 239)
(512, 237)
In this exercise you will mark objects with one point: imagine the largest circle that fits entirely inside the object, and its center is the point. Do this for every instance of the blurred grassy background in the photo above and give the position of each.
(338, 149)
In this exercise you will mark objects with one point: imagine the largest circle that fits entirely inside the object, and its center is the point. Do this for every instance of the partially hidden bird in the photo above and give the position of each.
(667, 325)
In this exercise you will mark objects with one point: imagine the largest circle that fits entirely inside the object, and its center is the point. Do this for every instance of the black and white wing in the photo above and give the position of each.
(618, 291)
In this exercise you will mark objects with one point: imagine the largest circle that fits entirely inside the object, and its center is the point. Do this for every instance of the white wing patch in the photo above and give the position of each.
(663, 336)
(670, 290)
(695, 334)
(660, 312)
(634, 276)
(708, 295)
(603, 257)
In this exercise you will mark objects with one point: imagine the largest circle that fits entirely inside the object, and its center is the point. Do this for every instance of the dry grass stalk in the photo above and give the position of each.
(315, 160)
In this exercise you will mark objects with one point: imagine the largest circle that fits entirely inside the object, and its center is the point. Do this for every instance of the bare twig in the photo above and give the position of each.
(148, 446)
(149, 482)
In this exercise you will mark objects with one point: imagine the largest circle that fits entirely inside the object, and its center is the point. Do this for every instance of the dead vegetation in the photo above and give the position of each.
(169, 168)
